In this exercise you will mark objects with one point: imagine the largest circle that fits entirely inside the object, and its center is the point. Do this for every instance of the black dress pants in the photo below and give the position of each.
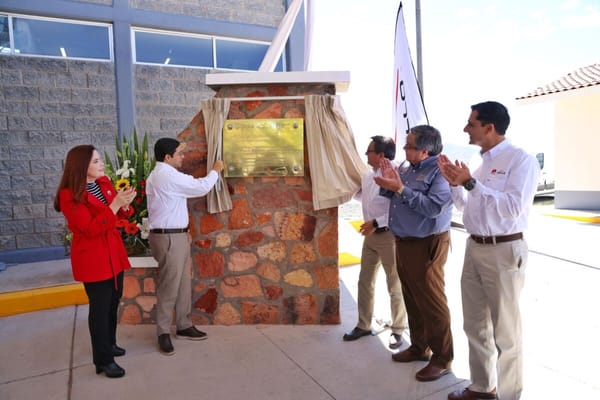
(104, 299)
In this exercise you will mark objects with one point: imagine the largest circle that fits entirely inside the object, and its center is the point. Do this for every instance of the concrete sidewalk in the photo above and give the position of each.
(47, 354)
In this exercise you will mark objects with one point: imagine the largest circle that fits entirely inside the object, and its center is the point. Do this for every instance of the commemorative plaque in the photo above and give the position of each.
(263, 147)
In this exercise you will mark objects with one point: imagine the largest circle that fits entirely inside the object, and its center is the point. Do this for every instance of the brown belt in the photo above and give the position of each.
(382, 229)
(497, 239)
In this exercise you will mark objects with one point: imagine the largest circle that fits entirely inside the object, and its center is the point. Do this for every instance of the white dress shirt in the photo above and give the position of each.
(503, 196)
(168, 190)
(374, 206)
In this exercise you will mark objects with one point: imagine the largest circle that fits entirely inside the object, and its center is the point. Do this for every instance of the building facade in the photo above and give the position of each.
(145, 70)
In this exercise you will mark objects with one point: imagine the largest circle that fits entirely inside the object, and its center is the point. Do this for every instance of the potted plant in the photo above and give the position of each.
(130, 167)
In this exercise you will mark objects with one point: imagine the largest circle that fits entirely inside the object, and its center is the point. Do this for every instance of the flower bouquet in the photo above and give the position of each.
(130, 168)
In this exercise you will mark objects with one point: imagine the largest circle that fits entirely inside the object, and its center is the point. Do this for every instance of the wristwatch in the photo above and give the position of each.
(470, 184)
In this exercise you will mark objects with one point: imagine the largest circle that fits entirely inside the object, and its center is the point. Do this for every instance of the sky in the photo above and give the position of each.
(472, 51)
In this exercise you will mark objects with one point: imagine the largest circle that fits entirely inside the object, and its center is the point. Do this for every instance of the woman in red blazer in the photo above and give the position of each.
(90, 203)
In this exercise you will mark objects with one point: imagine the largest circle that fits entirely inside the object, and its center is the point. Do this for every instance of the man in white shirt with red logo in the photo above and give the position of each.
(379, 248)
(168, 190)
(495, 200)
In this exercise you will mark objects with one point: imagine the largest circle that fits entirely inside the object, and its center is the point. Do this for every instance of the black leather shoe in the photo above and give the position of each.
(164, 344)
(356, 333)
(191, 333)
(117, 351)
(395, 341)
(112, 370)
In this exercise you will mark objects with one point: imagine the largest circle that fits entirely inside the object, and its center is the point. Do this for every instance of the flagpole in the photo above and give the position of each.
(419, 54)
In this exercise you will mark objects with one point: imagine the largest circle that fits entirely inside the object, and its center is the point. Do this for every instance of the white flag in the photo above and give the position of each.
(409, 109)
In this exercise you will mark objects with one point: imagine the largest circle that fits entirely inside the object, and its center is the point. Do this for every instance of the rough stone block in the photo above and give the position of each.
(10, 77)
(45, 196)
(15, 196)
(57, 124)
(241, 261)
(95, 124)
(26, 93)
(29, 211)
(47, 167)
(14, 168)
(6, 213)
(26, 123)
(56, 152)
(226, 314)
(38, 78)
(210, 264)
(16, 226)
(26, 153)
(207, 302)
(58, 95)
(8, 243)
(259, 313)
(49, 224)
(241, 286)
(71, 80)
(44, 137)
(29, 241)
(101, 81)
(5, 182)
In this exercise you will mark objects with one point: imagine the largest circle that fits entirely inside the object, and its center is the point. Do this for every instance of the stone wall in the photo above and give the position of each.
(272, 259)
(46, 106)
(258, 12)
(166, 97)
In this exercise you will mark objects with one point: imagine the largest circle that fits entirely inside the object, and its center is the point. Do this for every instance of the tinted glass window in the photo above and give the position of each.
(58, 38)
(241, 55)
(4, 37)
(160, 48)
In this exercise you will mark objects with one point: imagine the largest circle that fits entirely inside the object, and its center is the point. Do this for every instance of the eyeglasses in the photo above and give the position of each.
(369, 151)
(410, 147)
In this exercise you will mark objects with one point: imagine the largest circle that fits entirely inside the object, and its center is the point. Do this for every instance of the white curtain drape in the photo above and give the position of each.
(215, 112)
(336, 168)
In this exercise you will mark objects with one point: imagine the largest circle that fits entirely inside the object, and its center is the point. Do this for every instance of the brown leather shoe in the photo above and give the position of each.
(467, 394)
(431, 373)
(411, 354)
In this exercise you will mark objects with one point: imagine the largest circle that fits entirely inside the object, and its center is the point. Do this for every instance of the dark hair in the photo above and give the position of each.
(74, 175)
(164, 146)
(492, 112)
(427, 138)
(385, 145)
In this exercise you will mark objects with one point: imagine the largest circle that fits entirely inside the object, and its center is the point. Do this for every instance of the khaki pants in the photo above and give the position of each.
(379, 249)
(174, 290)
(491, 283)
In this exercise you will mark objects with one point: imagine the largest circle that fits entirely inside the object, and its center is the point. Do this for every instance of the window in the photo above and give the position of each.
(234, 54)
(171, 49)
(178, 49)
(55, 38)
(4, 35)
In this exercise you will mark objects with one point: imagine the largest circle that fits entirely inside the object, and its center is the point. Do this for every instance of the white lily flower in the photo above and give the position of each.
(124, 171)
(144, 228)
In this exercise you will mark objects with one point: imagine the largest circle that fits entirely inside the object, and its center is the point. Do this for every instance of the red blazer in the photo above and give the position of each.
(97, 251)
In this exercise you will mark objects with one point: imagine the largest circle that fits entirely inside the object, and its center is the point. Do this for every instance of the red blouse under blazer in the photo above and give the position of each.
(97, 251)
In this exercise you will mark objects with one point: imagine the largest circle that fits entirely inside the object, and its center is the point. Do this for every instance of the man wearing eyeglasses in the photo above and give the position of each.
(420, 214)
(378, 249)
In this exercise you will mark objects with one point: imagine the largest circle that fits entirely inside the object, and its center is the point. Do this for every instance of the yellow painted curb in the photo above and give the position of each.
(23, 301)
(346, 259)
(593, 220)
(356, 225)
